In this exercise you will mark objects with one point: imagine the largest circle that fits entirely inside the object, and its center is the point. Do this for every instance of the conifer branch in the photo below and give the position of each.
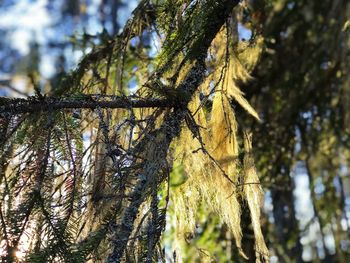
(171, 127)
(35, 104)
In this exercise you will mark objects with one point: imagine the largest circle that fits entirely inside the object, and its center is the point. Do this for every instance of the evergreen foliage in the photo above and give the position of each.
(91, 171)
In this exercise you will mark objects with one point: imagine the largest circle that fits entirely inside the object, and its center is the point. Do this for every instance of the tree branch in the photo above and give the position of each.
(34, 104)
(155, 157)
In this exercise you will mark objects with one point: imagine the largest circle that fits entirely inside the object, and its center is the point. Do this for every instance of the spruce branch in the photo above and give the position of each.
(33, 104)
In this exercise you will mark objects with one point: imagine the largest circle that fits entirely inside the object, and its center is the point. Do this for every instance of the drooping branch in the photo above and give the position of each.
(35, 104)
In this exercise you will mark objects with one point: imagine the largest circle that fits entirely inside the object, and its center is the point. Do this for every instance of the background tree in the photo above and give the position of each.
(144, 151)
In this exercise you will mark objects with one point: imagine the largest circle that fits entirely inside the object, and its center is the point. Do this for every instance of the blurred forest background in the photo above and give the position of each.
(301, 91)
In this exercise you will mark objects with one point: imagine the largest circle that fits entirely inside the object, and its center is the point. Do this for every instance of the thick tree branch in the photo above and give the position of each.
(151, 168)
(34, 104)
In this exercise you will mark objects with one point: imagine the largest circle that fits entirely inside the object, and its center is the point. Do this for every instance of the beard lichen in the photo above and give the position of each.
(209, 155)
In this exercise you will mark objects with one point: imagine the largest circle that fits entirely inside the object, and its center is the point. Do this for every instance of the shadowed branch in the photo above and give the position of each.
(35, 104)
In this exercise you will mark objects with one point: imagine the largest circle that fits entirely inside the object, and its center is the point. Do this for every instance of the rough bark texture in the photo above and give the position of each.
(218, 12)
